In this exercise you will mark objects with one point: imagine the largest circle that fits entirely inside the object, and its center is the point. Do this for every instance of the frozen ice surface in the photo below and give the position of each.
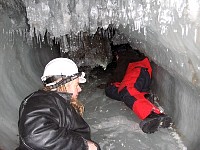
(115, 127)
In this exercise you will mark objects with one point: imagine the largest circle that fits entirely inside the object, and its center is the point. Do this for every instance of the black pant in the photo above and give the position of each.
(124, 96)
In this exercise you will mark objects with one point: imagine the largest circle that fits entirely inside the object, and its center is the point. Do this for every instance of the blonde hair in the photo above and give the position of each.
(78, 106)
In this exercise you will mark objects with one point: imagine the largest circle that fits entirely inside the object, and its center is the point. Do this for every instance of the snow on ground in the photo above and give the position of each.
(115, 127)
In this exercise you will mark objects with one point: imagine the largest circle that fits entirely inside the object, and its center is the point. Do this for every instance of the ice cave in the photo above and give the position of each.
(167, 31)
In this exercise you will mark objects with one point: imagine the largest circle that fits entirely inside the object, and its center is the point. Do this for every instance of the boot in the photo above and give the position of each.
(155, 121)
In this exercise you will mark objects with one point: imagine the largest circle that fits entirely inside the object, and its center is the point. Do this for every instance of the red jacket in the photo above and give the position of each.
(132, 74)
(141, 107)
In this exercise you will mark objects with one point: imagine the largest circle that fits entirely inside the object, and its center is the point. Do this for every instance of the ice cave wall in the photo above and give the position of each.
(166, 31)
(21, 65)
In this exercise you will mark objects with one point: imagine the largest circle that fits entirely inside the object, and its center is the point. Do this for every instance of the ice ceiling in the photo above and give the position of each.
(167, 31)
(169, 22)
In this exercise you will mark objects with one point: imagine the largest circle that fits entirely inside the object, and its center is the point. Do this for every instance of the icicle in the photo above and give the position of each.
(145, 31)
(37, 39)
(186, 30)
(40, 40)
(163, 29)
(48, 38)
(139, 27)
(55, 40)
(11, 35)
(20, 32)
(135, 25)
(182, 29)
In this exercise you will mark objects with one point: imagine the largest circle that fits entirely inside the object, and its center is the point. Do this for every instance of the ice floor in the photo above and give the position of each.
(115, 127)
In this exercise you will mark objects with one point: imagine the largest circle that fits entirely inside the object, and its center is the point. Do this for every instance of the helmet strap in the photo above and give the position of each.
(64, 80)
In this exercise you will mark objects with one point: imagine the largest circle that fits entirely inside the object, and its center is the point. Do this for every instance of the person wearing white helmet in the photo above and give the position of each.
(51, 118)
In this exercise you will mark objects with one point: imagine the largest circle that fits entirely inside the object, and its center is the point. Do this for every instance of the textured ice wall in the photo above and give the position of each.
(20, 69)
(15, 60)
(181, 101)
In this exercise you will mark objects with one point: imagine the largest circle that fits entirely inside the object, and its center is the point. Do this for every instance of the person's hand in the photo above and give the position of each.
(91, 145)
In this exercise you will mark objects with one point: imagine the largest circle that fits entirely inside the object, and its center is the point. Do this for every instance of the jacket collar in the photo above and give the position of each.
(66, 96)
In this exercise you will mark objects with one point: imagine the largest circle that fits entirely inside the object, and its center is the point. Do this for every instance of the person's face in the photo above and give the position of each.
(74, 88)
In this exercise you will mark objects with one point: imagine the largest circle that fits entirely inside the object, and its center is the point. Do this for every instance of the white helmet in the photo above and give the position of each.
(63, 67)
